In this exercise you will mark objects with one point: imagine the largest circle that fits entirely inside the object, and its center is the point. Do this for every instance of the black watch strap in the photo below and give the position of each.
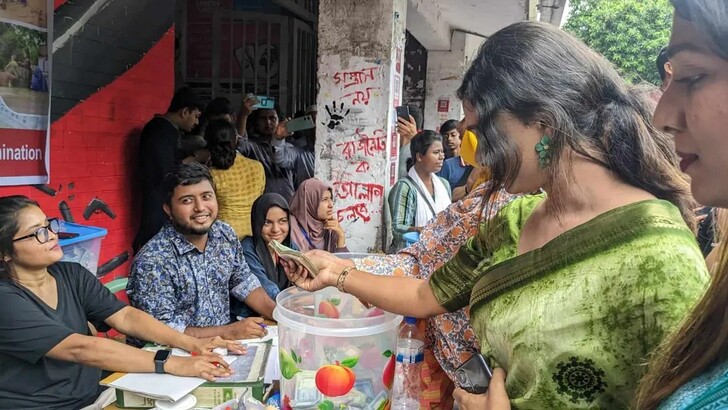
(160, 358)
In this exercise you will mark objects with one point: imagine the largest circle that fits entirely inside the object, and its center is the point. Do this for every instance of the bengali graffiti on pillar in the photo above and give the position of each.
(353, 78)
(355, 125)
(354, 213)
(364, 145)
(359, 191)
(361, 166)
(356, 151)
(362, 96)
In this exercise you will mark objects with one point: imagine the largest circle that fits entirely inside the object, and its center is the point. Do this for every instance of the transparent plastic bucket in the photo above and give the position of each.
(334, 352)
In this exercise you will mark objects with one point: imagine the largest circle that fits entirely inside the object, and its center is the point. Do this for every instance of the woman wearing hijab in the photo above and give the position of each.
(270, 220)
(313, 223)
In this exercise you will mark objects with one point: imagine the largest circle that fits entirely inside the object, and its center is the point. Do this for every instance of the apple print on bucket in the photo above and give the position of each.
(329, 308)
(335, 380)
(333, 351)
(388, 373)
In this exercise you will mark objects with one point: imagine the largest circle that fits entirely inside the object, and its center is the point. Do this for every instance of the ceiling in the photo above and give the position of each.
(432, 21)
(483, 17)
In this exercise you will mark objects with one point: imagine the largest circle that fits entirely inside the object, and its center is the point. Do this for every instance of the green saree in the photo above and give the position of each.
(572, 323)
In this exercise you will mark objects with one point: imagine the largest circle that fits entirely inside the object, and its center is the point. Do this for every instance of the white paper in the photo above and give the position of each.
(158, 386)
(273, 332)
(272, 335)
(272, 368)
(162, 386)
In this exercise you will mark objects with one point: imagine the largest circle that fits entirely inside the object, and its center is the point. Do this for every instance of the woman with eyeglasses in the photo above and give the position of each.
(49, 359)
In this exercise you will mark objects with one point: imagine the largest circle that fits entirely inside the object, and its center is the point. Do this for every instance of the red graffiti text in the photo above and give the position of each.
(352, 78)
(354, 212)
(359, 191)
(361, 97)
(361, 166)
(367, 145)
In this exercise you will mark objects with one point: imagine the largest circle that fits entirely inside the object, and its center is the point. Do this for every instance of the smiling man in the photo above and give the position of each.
(187, 273)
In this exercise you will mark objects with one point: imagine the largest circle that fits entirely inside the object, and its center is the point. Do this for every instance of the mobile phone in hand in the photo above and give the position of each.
(474, 375)
(403, 112)
(264, 103)
(300, 124)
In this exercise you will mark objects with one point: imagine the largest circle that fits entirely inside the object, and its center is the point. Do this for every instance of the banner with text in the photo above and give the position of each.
(24, 92)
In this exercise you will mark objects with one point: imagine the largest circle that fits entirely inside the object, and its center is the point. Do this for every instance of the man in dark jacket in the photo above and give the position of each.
(160, 150)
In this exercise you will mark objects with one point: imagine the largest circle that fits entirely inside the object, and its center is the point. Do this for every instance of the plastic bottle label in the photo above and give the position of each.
(411, 357)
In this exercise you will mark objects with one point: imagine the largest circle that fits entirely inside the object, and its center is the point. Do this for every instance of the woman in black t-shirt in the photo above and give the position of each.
(49, 359)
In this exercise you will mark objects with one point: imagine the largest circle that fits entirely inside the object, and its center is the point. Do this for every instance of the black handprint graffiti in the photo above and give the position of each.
(336, 115)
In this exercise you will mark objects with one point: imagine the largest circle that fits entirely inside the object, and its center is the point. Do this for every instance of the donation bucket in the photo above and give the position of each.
(334, 352)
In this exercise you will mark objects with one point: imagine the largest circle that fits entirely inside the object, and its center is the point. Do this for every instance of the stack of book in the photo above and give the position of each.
(141, 390)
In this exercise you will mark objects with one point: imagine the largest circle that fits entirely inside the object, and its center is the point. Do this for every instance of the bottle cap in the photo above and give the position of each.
(410, 320)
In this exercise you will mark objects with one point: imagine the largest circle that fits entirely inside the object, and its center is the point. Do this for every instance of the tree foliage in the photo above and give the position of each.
(19, 41)
(629, 33)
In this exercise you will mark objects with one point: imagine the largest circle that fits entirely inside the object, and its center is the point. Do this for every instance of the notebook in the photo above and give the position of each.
(159, 386)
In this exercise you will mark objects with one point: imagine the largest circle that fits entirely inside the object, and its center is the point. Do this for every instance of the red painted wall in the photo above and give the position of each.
(94, 148)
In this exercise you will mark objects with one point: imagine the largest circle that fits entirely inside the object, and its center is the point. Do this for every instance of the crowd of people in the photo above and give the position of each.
(585, 283)
(562, 226)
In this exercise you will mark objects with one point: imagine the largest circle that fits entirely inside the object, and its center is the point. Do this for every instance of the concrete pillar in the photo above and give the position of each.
(445, 70)
(360, 55)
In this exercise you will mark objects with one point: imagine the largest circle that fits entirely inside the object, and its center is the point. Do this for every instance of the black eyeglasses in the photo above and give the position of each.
(41, 235)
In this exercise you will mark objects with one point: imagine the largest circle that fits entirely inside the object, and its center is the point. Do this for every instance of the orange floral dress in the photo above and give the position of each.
(449, 338)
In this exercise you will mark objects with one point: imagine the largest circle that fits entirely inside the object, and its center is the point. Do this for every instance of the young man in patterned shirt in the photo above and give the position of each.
(187, 273)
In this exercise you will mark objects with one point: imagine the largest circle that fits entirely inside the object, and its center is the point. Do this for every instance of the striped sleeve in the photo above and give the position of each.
(402, 204)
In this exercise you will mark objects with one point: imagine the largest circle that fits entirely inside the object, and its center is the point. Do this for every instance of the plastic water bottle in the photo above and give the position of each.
(410, 355)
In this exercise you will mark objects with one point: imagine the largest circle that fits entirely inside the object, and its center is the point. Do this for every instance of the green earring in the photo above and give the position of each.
(543, 149)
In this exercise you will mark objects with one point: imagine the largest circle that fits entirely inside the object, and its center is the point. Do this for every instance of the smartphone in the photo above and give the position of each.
(474, 375)
(300, 124)
(67, 235)
(403, 112)
(265, 103)
(703, 211)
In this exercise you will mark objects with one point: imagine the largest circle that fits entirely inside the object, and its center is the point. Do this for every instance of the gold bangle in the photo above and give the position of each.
(342, 277)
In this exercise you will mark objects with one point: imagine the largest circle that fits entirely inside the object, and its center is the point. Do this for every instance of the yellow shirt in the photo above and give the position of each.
(237, 189)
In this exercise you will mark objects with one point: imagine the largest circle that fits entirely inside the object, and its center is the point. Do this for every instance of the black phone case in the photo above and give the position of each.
(474, 375)
(403, 112)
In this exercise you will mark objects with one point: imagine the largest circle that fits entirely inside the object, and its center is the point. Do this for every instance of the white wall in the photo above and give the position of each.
(445, 70)
(361, 48)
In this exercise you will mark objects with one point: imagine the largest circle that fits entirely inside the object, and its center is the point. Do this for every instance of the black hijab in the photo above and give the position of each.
(257, 218)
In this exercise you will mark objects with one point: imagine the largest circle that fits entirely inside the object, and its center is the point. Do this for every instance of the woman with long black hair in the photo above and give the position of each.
(571, 289)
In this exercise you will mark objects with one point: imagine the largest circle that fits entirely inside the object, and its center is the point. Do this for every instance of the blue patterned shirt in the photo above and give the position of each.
(176, 283)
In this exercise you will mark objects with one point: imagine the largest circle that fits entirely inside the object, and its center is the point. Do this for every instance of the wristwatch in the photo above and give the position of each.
(159, 359)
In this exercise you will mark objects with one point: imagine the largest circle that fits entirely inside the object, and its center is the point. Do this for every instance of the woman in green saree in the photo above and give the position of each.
(569, 290)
